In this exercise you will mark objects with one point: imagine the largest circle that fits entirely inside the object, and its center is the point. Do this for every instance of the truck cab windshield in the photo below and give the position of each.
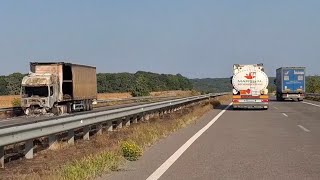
(41, 91)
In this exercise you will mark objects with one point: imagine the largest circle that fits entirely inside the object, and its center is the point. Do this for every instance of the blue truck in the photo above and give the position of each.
(290, 83)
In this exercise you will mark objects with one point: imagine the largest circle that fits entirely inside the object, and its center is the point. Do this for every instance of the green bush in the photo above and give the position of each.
(130, 150)
(16, 102)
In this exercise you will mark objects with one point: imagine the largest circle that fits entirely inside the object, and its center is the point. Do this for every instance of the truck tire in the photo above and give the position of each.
(279, 98)
(90, 105)
(69, 108)
(86, 105)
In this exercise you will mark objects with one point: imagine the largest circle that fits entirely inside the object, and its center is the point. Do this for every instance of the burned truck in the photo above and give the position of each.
(58, 88)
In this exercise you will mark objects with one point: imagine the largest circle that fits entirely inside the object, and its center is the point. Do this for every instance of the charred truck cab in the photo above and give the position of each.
(58, 88)
(39, 93)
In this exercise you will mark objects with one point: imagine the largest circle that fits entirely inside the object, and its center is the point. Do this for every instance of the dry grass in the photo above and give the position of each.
(87, 159)
(114, 95)
(6, 101)
(172, 93)
(313, 98)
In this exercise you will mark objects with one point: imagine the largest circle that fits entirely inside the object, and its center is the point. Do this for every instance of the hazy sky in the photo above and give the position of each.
(197, 38)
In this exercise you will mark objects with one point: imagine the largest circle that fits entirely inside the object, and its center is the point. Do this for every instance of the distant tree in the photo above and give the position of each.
(212, 85)
(3, 86)
(14, 83)
(313, 84)
(140, 88)
(140, 83)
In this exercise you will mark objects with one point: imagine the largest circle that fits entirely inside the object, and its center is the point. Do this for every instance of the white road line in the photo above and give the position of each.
(311, 104)
(285, 114)
(166, 165)
(275, 107)
(303, 128)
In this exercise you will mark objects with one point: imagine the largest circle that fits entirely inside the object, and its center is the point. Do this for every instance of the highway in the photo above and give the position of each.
(280, 143)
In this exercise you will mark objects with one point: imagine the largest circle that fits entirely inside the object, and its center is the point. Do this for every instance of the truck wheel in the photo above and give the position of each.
(27, 111)
(86, 105)
(55, 111)
(90, 105)
(69, 108)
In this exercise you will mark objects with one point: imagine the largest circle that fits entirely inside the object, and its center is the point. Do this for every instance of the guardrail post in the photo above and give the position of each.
(152, 115)
(127, 121)
(109, 126)
(135, 119)
(52, 141)
(29, 149)
(2, 157)
(99, 128)
(161, 114)
(119, 123)
(71, 137)
(147, 117)
(141, 117)
(86, 131)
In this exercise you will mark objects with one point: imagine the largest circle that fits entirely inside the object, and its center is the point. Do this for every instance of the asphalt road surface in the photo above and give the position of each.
(280, 143)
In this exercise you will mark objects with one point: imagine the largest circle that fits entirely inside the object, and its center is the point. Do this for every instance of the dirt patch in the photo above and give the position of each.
(49, 164)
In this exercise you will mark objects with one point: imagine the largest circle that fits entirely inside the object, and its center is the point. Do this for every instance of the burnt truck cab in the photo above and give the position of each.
(39, 92)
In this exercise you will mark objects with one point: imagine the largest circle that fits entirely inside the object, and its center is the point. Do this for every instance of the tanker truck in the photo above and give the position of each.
(250, 84)
(58, 88)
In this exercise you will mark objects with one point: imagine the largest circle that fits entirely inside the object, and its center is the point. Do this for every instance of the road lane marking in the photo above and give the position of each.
(303, 128)
(275, 107)
(311, 104)
(173, 158)
(285, 114)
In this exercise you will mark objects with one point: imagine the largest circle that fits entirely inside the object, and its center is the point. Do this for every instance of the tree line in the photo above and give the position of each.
(142, 83)
(139, 84)
(224, 84)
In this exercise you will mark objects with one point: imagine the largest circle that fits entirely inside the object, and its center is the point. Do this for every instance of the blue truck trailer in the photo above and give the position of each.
(290, 83)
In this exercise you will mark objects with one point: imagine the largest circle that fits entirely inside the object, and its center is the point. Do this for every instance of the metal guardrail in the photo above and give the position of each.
(313, 94)
(10, 109)
(27, 132)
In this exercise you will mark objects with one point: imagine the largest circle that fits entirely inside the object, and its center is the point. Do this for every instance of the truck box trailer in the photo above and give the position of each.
(58, 87)
(290, 83)
(250, 87)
